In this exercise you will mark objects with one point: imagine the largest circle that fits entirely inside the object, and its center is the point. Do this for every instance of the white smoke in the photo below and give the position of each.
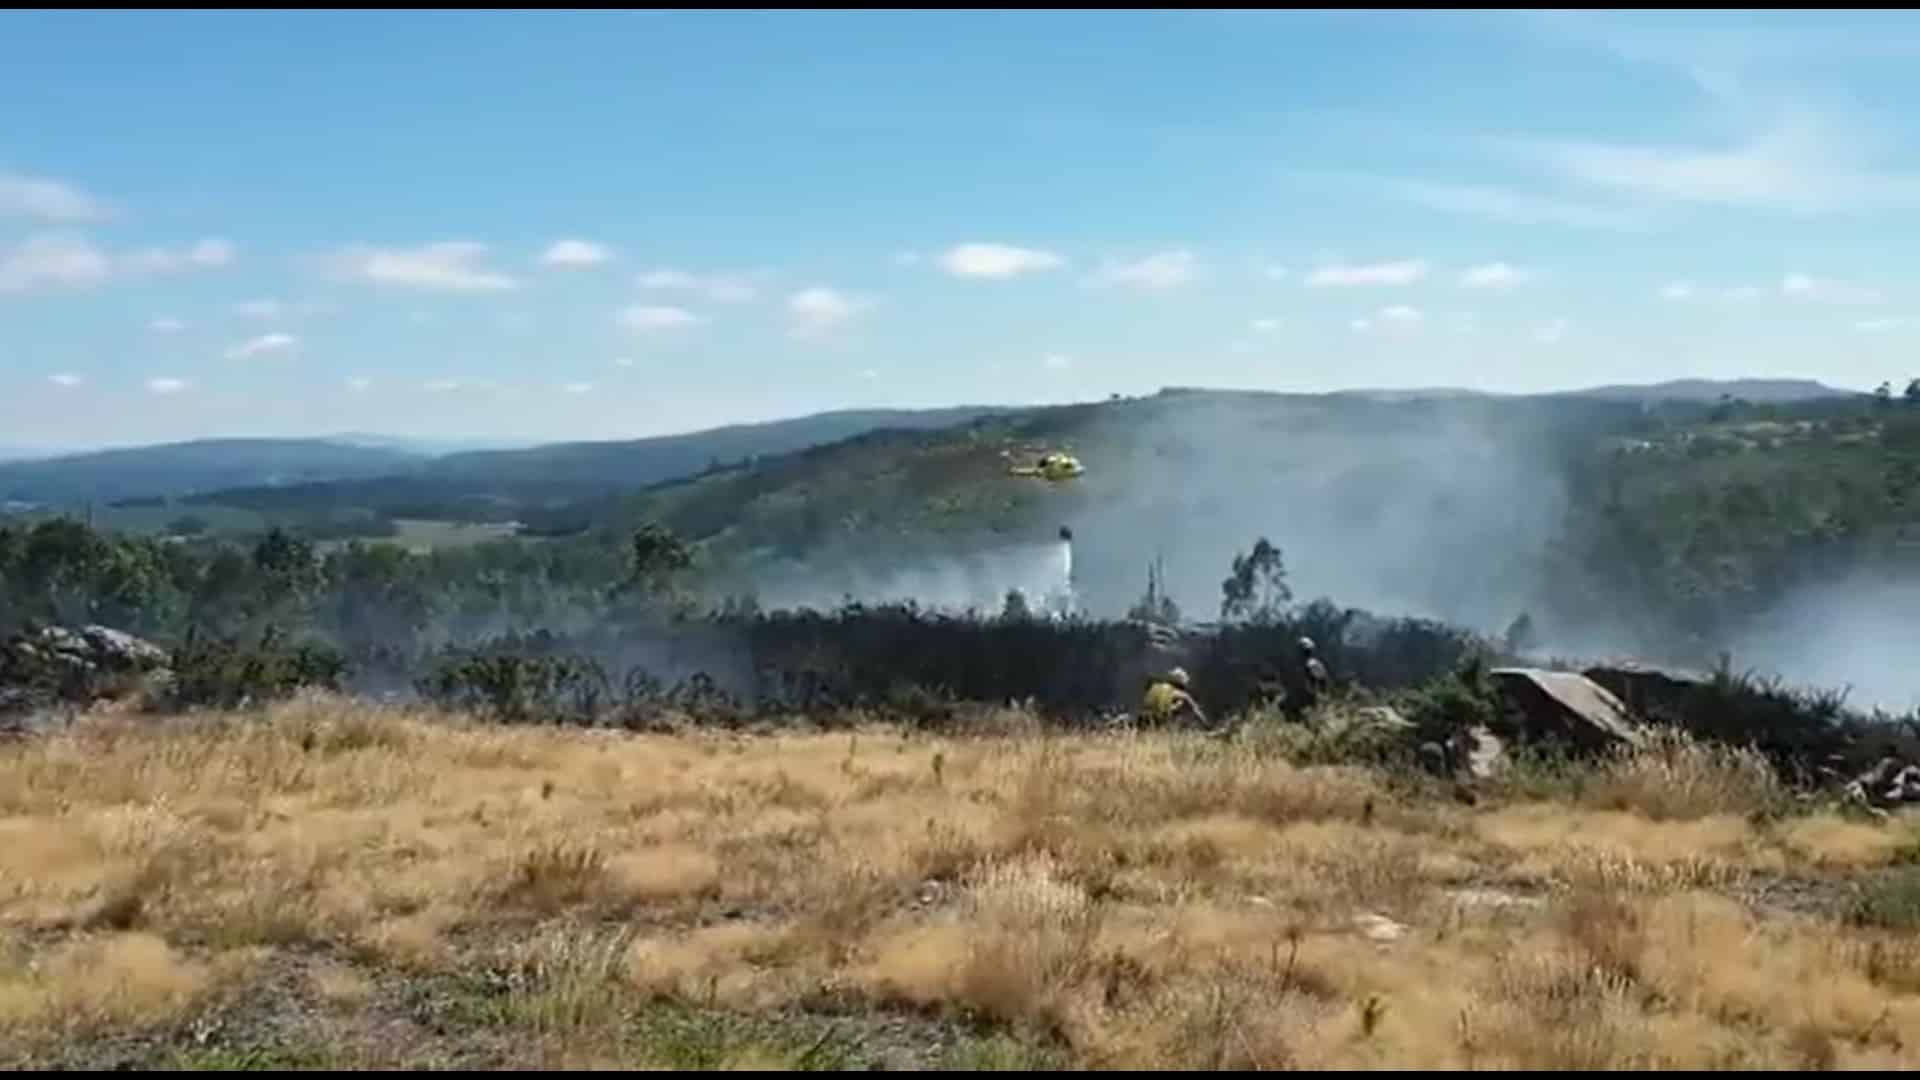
(976, 583)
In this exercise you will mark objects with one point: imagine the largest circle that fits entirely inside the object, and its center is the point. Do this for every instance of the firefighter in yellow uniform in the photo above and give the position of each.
(1167, 698)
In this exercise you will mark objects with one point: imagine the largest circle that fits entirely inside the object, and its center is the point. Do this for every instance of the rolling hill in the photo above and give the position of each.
(176, 469)
(1616, 524)
(503, 485)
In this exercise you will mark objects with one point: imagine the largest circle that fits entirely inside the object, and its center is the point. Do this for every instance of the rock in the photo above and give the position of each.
(94, 663)
(1646, 690)
(1379, 928)
(1486, 752)
(1890, 782)
(1560, 706)
(1494, 898)
(123, 650)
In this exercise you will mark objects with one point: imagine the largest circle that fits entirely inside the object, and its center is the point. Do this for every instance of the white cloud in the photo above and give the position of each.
(906, 258)
(1551, 333)
(265, 343)
(441, 386)
(1266, 326)
(1274, 272)
(1403, 272)
(359, 383)
(1158, 272)
(47, 200)
(721, 288)
(260, 309)
(623, 361)
(1496, 275)
(1400, 313)
(165, 385)
(206, 254)
(985, 260)
(818, 309)
(211, 252)
(578, 387)
(65, 380)
(71, 261)
(869, 373)
(646, 318)
(166, 324)
(1828, 290)
(1677, 290)
(1056, 361)
(53, 259)
(448, 266)
(1876, 325)
(575, 253)
(1361, 325)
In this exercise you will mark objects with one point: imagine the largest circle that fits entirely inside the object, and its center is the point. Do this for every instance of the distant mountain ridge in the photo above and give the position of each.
(403, 476)
(1757, 391)
(185, 467)
(498, 483)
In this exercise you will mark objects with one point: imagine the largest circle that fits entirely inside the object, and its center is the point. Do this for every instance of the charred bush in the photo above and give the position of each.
(231, 672)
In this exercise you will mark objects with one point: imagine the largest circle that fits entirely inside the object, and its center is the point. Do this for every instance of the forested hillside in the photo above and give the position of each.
(1671, 532)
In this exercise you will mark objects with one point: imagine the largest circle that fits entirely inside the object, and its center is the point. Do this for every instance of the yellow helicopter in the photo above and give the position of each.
(1054, 466)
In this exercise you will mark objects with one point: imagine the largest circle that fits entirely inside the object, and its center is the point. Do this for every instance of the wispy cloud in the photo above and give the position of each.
(451, 266)
(65, 380)
(70, 261)
(1692, 290)
(1400, 313)
(1157, 272)
(1266, 326)
(359, 383)
(260, 309)
(265, 343)
(166, 385)
(1056, 361)
(575, 254)
(819, 310)
(577, 388)
(1403, 272)
(1505, 205)
(47, 200)
(56, 260)
(166, 324)
(720, 288)
(651, 318)
(1828, 290)
(208, 253)
(1874, 326)
(1497, 275)
(1551, 333)
(1802, 161)
(989, 260)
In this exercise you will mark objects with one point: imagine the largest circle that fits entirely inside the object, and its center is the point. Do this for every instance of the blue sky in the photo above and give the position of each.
(600, 225)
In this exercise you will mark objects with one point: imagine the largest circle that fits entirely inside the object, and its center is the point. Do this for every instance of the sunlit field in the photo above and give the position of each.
(334, 885)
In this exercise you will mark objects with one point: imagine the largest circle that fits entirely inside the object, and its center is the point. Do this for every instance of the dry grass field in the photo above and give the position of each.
(328, 885)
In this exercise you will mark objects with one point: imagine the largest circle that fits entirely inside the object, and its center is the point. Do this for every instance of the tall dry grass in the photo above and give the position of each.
(1111, 902)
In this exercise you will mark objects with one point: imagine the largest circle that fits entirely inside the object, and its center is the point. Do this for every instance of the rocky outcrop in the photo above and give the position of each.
(1889, 783)
(1564, 707)
(84, 665)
